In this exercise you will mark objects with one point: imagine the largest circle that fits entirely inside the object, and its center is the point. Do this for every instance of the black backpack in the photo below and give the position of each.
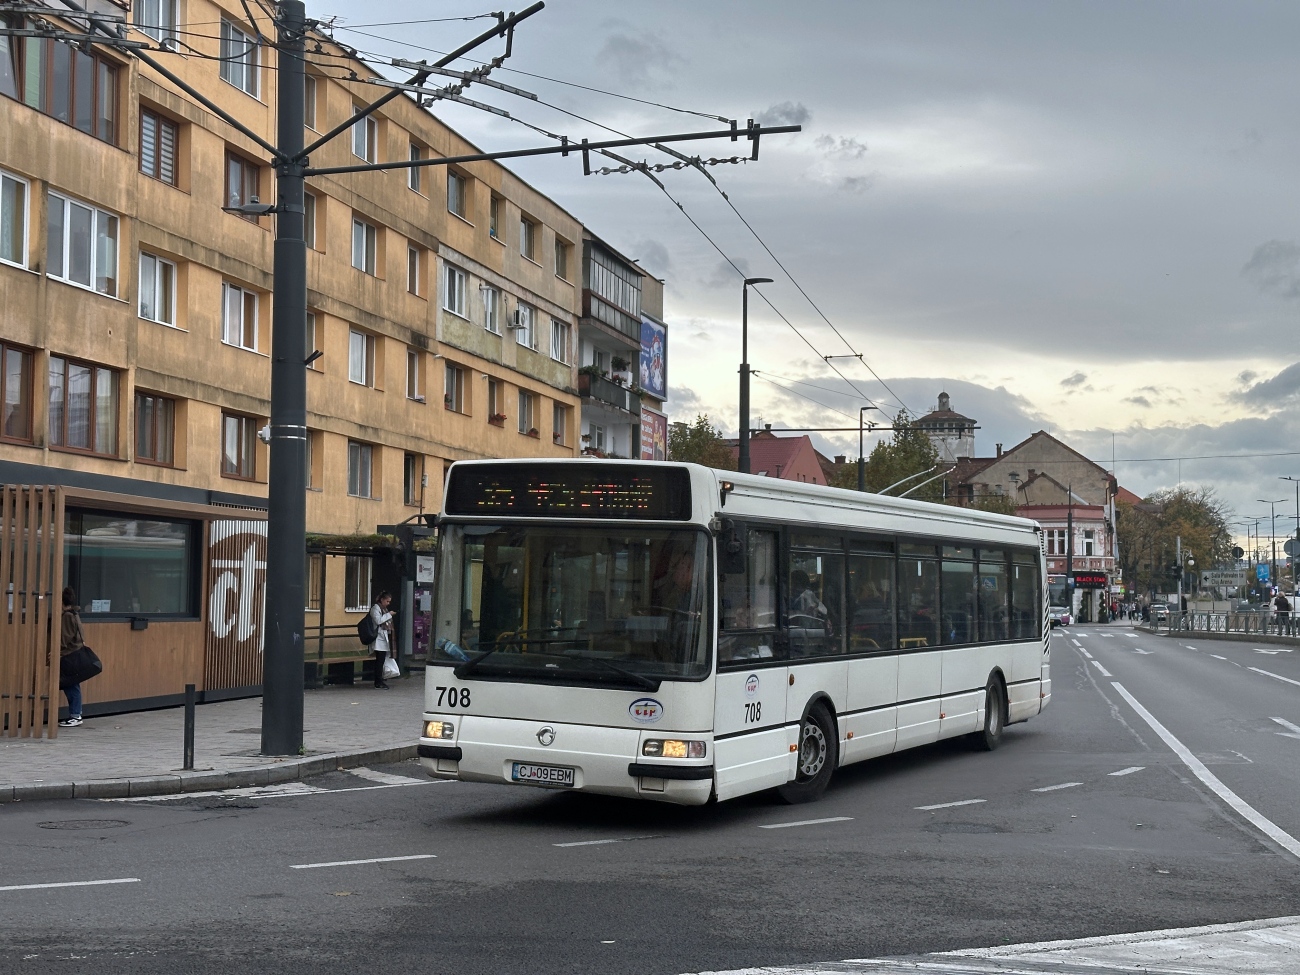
(367, 629)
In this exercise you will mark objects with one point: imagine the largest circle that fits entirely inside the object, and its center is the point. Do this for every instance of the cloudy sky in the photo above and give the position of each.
(1074, 216)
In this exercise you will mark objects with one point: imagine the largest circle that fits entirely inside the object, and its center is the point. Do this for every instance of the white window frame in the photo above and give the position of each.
(413, 173)
(236, 333)
(528, 239)
(309, 219)
(361, 370)
(158, 19)
(245, 430)
(414, 390)
(155, 291)
(413, 270)
(492, 309)
(309, 101)
(526, 407)
(162, 125)
(494, 217)
(365, 245)
(361, 467)
(456, 186)
(561, 333)
(559, 423)
(313, 341)
(6, 217)
(454, 281)
(365, 137)
(357, 568)
(1089, 542)
(96, 257)
(413, 479)
(454, 380)
(240, 59)
(561, 258)
(525, 320)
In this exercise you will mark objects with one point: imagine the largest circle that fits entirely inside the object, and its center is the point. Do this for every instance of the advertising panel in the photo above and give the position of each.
(654, 358)
(654, 435)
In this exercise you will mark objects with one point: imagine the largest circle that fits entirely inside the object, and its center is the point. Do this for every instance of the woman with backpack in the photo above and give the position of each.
(383, 621)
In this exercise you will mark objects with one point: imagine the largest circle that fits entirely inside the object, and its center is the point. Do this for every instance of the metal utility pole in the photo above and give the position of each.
(1178, 554)
(1069, 545)
(1272, 538)
(742, 460)
(1295, 558)
(862, 470)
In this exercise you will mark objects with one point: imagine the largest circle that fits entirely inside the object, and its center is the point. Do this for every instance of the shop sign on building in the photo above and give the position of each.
(654, 358)
(654, 435)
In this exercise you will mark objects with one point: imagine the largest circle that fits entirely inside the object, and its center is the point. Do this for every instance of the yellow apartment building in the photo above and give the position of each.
(135, 329)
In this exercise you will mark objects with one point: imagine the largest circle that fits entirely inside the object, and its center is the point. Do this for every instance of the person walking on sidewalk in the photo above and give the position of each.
(70, 639)
(383, 641)
(1283, 607)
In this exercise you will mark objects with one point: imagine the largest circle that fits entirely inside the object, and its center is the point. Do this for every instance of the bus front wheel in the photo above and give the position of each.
(818, 754)
(995, 716)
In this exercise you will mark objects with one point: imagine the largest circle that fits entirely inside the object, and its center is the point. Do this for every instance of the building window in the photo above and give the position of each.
(524, 325)
(82, 246)
(313, 342)
(453, 397)
(309, 219)
(596, 436)
(414, 387)
(495, 402)
(526, 424)
(364, 240)
(242, 178)
(239, 58)
(413, 270)
(120, 566)
(238, 317)
(309, 101)
(16, 393)
(64, 82)
(82, 407)
(527, 238)
(155, 429)
(157, 18)
(1089, 538)
(365, 136)
(456, 194)
(359, 469)
(315, 580)
(559, 423)
(413, 480)
(238, 446)
(356, 584)
(453, 290)
(1056, 541)
(14, 194)
(560, 333)
(494, 217)
(157, 289)
(159, 138)
(361, 358)
(413, 174)
(492, 310)
(617, 284)
(561, 259)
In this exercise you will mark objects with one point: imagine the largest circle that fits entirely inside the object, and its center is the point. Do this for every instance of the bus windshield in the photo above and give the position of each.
(618, 606)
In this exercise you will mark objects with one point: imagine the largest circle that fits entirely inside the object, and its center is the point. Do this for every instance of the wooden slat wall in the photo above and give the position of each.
(236, 603)
(31, 577)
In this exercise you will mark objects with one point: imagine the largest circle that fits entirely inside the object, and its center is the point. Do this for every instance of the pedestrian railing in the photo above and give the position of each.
(1264, 624)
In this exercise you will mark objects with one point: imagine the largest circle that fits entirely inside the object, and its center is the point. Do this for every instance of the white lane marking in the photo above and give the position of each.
(949, 805)
(1104, 671)
(1109, 636)
(1140, 650)
(1247, 811)
(808, 822)
(1128, 771)
(383, 778)
(264, 792)
(1053, 788)
(1085, 653)
(74, 883)
(621, 839)
(1293, 730)
(1189, 646)
(1269, 673)
(1076, 643)
(1273, 650)
(353, 863)
(1217, 657)
(1131, 636)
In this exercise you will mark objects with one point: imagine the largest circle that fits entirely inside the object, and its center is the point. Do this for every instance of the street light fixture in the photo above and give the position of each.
(742, 461)
(1272, 536)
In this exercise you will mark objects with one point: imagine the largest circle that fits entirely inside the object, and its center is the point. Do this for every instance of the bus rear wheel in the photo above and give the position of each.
(818, 753)
(995, 717)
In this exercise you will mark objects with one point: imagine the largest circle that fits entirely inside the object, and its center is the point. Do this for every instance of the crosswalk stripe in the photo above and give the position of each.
(383, 778)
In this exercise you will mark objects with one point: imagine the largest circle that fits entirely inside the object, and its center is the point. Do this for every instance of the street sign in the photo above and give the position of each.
(1261, 572)
(1091, 580)
(1238, 551)
(1223, 577)
(1292, 547)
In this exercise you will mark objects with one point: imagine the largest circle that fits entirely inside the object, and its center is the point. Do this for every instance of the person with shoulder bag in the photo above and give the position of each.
(382, 621)
(70, 641)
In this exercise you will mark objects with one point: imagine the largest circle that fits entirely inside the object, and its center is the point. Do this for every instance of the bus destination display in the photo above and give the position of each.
(570, 491)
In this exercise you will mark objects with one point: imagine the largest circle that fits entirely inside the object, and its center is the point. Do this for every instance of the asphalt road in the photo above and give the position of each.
(526, 881)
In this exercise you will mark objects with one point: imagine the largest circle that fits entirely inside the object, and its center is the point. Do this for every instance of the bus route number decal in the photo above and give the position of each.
(455, 696)
(753, 711)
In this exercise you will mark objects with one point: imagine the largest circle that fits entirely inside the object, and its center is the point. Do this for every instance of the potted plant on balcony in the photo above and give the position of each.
(497, 419)
(557, 436)
(591, 370)
(446, 401)
(618, 363)
(532, 432)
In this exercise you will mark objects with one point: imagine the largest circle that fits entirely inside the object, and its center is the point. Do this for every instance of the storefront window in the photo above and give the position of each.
(127, 565)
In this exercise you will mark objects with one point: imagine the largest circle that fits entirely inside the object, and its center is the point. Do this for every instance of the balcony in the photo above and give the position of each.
(604, 391)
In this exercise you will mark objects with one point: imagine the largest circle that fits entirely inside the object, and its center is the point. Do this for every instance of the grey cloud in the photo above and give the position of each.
(1074, 381)
(654, 257)
(724, 275)
(1274, 268)
(637, 60)
(1271, 392)
(857, 184)
(1247, 376)
(786, 113)
(1138, 401)
(845, 146)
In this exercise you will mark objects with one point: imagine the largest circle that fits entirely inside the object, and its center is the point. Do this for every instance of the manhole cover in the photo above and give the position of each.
(84, 824)
(962, 828)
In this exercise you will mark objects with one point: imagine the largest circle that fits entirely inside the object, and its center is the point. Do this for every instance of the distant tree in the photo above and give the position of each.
(909, 451)
(700, 443)
(1149, 532)
(998, 503)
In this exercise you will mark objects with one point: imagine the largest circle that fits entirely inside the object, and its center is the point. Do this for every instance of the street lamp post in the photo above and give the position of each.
(862, 473)
(1295, 558)
(1272, 536)
(743, 460)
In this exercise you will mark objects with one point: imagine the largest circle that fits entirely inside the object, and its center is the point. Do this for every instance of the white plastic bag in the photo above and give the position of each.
(390, 668)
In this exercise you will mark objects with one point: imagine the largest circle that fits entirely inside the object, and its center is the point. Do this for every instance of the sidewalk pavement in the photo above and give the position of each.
(142, 753)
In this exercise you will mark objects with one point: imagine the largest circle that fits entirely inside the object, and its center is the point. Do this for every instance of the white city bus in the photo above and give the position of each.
(667, 631)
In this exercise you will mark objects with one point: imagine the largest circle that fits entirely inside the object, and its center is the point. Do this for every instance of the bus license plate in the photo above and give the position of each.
(557, 775)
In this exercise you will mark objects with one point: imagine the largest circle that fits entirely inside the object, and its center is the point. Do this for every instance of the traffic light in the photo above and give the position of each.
(1175, 572)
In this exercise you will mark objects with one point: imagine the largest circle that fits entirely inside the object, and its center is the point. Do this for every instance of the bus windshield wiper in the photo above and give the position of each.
(470, 665)
(640, 679)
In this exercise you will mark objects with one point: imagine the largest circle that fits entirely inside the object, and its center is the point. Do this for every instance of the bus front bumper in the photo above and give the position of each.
(580, 758)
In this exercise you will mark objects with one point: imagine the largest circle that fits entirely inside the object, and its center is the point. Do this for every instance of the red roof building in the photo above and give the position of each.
(791, 458)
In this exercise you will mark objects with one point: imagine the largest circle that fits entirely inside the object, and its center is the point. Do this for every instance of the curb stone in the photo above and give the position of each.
(180, 782)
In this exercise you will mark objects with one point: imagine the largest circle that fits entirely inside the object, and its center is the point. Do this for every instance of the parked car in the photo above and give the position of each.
(1059, 616)
(1159, 614)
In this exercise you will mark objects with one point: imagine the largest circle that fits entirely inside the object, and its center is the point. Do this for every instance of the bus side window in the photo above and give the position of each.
(749, 604)
(918, 603)
(816, 613)
(871, 603)
(1026, 609)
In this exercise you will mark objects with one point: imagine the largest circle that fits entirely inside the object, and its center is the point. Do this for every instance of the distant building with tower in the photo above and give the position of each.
(952, 434)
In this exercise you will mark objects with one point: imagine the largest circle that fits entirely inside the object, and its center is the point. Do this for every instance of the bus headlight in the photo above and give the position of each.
(439, 729)
(672, 748)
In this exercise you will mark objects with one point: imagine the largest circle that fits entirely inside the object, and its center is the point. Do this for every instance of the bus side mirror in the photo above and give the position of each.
(731, 548)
